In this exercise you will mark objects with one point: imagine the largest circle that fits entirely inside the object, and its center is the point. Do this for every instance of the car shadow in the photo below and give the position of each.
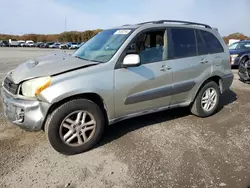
(227, 98)
(124, 127)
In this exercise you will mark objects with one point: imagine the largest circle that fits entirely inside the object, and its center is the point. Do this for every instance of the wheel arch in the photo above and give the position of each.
(94, 97)
(245, 56)
(217, 79)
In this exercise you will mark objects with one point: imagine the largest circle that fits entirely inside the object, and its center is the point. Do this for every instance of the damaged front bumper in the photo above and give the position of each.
(27, 114)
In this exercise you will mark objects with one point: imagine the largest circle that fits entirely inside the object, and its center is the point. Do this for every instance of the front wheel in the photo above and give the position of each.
(243, 61)
(207, 101)
(75, 126)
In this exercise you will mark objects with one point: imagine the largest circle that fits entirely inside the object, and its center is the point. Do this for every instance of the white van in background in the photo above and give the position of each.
(29, 43)
(231, 41)
(13, 43)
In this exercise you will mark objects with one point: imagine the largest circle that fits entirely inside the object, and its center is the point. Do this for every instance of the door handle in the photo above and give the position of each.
(165, 68)
(203, 61)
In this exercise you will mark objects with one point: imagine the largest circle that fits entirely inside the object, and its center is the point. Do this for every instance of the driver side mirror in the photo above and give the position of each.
(131, 60)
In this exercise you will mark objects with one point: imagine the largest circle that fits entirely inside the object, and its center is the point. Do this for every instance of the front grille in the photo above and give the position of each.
(10, 86)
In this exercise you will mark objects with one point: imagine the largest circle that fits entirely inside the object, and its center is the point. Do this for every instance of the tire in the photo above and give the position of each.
(54, 129)
(243, 60)
(196, 107)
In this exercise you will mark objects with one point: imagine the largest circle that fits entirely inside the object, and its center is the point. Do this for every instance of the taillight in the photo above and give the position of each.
(230, 61)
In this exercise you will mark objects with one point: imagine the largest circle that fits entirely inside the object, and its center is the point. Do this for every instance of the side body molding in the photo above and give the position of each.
(159, 92)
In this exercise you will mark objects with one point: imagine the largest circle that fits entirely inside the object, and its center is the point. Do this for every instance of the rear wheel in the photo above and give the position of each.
(75, 127)
(207, 101)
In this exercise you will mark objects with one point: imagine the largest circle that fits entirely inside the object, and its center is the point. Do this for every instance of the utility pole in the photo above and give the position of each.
(65, 23)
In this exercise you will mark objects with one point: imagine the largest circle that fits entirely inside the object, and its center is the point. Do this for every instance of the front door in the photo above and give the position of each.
(149, 85)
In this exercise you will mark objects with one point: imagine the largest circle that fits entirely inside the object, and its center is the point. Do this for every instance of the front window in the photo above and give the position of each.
(103, 46)
(151, 46)
(233, 46)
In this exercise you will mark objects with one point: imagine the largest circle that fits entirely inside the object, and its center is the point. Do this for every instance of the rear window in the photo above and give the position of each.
(212, 43)
(183, 42)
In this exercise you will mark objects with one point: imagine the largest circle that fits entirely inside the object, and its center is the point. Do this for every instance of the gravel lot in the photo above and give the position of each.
(166, 149)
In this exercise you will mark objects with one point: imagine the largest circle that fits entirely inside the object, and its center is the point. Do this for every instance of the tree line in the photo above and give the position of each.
(239, 36)
(76, 36)
(71, 36)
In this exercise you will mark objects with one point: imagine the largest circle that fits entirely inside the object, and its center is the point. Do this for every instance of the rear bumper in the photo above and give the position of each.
(227, 81)
(28, 115)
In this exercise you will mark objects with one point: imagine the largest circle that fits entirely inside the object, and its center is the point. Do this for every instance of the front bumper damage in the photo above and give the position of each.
(27, 114)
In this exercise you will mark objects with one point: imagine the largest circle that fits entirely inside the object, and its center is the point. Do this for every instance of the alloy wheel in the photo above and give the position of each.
(77, 128)
(209, 99)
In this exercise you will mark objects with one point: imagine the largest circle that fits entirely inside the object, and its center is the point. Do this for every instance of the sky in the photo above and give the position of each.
(48, 16)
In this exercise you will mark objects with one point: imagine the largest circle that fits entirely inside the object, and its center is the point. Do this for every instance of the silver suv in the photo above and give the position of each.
(118, 74)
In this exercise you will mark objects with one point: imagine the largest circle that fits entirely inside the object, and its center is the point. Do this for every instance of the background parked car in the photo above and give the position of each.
(239, 51)
(4, 43)
(46, 45)
(21, 44)
(74, 45)
(29, 43)
(38, 44)
(55, 45)
(42, 45)
(244, 69)
(65, 45)
(80, 45)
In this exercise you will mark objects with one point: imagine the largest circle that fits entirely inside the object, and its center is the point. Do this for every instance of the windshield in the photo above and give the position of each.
(239, 46)
(103, 46)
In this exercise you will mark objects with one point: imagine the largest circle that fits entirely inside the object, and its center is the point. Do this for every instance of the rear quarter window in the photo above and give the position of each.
(212, 43)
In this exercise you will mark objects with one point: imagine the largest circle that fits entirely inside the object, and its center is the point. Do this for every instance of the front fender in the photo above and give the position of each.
(68, 94)
(64, 87)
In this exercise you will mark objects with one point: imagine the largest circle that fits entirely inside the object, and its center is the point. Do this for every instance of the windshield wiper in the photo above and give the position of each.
(87, 59)
(80, 58)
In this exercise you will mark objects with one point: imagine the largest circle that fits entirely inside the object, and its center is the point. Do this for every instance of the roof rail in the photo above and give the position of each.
(146, 22)
(176, 21)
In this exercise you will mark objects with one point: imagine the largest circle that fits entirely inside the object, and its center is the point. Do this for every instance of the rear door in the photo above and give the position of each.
(191, 63)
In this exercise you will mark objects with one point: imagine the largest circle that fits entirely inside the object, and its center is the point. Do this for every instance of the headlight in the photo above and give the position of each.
(234, 56)
(32, 88)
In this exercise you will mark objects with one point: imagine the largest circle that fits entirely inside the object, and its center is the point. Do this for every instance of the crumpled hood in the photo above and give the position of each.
(47, 65)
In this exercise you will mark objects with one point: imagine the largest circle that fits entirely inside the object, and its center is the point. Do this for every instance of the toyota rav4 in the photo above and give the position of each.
(118, 74)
